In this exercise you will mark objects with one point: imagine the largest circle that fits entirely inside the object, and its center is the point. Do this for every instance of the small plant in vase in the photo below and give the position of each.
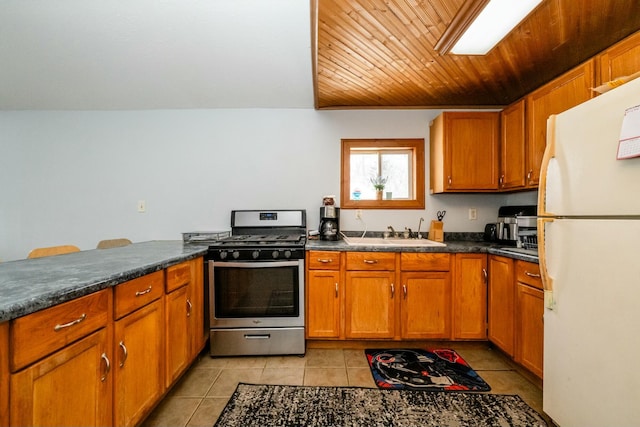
(378, 183)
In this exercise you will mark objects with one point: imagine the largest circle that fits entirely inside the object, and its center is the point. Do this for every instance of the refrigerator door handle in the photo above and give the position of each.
(547, 281)
(549, 153)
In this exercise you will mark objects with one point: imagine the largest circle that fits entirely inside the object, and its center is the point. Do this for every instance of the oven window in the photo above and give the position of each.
(256, 292)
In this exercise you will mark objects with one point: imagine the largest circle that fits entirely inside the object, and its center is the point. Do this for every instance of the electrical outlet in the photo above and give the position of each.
(142, 206)
(358, 214)
(473, 214)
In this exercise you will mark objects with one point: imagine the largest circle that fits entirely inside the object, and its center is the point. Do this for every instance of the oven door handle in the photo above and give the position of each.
(256, 264)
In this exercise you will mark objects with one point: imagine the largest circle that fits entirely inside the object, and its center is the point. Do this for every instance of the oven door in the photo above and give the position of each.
(256, 294)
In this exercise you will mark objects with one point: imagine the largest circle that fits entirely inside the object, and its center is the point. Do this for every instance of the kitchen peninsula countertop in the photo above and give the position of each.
(452, 246)
(30, 285)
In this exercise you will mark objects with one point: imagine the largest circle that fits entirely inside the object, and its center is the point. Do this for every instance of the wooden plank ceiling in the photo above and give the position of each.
(380, 53)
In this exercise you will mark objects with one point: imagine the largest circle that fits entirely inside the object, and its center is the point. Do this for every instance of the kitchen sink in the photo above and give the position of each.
(378, 241)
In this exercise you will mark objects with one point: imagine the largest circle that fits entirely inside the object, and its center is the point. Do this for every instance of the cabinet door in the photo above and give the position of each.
(198, 323)
(512, 147)
(4, 373)
(369, 304)
(565, 92)
(470, 297)
(69, 388)
(426, 305)
(138, 365)
(471, 150)
(621, 59)
(530, 328)
(177, 333)
(323, 304)
(501, 303)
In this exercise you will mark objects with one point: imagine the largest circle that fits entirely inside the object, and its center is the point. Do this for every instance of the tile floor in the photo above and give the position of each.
(201, 395)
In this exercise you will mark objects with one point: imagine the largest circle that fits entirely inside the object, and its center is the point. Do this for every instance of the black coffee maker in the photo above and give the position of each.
(329, 222)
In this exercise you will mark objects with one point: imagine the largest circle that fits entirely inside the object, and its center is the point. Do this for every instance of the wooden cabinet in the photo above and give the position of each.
(501, 303)
(139, 347)
(61, 364)
(464, 152)
(512, 147)
(199, 324)
(566, 91)
(425, 300)
(323, 295)
(370, 294)
(529, 324)
(621, 59)
(470, 296)
(4, 373)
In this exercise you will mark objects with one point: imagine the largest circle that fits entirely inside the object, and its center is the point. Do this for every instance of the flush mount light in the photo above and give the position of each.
(481, 24)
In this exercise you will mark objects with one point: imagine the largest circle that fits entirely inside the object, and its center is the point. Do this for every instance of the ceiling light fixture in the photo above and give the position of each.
(481, 24)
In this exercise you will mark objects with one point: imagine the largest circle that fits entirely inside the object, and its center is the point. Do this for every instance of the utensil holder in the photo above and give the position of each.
(436, 232)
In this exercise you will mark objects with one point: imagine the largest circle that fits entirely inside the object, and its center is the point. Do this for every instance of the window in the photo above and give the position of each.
(397, 163)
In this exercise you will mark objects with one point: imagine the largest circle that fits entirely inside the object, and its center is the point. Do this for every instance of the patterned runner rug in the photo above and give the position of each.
(279, 405)
(417, 369)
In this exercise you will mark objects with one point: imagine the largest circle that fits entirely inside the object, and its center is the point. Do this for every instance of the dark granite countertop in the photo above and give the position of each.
(30, 285)
(454, 246)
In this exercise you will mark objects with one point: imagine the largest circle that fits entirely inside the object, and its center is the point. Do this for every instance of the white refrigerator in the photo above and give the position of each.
(589, 248)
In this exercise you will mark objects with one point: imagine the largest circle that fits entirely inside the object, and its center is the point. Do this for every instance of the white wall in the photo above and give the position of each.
(75, 177)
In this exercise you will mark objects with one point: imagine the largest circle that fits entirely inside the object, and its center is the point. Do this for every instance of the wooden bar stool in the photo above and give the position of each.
(113, 243)
(52, 250)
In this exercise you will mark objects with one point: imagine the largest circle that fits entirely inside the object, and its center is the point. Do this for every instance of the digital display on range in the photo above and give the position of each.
(268, 216)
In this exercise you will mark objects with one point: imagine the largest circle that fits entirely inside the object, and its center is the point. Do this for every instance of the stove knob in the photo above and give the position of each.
(275, 254)
(223, 255)
(236, 254)
(255, 254)
(287, 254)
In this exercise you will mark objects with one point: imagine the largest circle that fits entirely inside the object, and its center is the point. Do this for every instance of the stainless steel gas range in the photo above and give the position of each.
(256, 285)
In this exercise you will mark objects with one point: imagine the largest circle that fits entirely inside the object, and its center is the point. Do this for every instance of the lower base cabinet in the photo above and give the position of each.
(501, 303)
(323, 316)
(470, 297)
(369, 304)
(71, 387)
(425, 305)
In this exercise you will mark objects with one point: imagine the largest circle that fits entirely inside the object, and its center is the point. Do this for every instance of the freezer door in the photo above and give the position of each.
(580, 174)
(591, 337)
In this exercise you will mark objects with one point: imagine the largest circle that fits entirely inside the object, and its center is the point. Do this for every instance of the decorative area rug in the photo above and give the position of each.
(279, 405)
(427, 370)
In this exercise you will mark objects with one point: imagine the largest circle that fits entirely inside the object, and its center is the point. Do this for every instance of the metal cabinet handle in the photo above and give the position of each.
(107, 367)
(404, 291)
(146, 291)
(370, 261)
(501, 181)
(486, 275)
(189, 307)
(529, 175)
(393, 290)
(537, 276)
(125, 353)
(325, 261)
(336, 289)
(449, 180)
(73, 322)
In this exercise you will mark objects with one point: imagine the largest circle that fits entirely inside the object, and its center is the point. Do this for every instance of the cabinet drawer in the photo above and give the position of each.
(324, 260)
(39, 334)
(137, 293)
(425, 262)
(371, 261)
(529, 273)
(178, 275)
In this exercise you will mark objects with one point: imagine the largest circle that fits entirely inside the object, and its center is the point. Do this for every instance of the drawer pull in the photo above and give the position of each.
(336, 289)
(325, 261)
(486, 275)
(393, 290)
(537, 276)
(125, 353)
(370, 261)
(146, 291)
(73, 322)
(189, 307)
(404, 291)
(107, 367)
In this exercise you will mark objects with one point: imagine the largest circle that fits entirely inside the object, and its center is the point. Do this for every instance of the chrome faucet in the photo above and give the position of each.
(419, 225)
(393, 232)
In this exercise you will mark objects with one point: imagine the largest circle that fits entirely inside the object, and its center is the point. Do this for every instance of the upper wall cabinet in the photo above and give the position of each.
(621, 59)
(566, 91)
(512, 147)
(464, 152)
